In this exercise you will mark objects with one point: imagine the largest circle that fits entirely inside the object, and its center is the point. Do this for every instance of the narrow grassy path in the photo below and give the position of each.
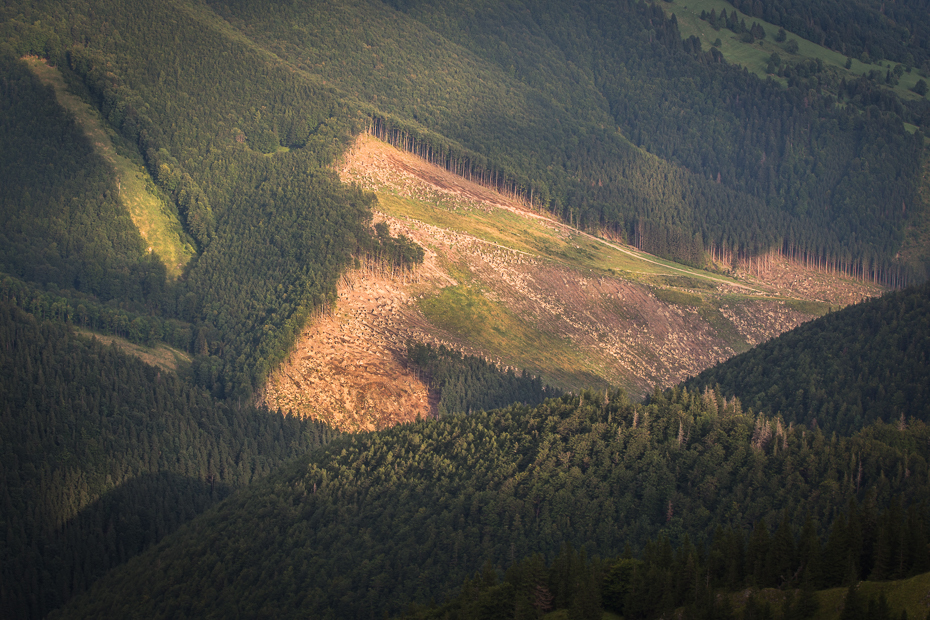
(156, 221)
(161, 355)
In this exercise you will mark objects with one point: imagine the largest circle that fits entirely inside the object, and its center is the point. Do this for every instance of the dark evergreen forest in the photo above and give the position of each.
(708, 581)
(864, 363)
(466, 383)
(102, 455)
(747, 166)
(62, 225)
(373, 522)
(599, 113)
(867, 30)
(198, 503)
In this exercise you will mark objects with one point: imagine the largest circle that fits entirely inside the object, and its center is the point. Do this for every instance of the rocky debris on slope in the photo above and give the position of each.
(793, 279)
(349, 368)
(759, 321)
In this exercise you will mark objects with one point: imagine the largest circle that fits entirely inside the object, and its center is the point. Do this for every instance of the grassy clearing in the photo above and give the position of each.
(687, 282)
(465, 309)
(681, 298)
(812, 308)
(754, 56)
(489, 326)
(579, 348)
(724, 328)
(905, 595)
(161, 356)
(541, 239)
(156, 221)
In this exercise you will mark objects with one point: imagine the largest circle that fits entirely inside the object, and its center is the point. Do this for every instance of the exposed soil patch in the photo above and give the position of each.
(379, 167)
(559, 321)
(759, 321)
(348, 368)
(793, 279)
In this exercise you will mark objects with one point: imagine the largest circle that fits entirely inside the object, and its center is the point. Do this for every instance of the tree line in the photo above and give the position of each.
(466, 383)
(373, 522)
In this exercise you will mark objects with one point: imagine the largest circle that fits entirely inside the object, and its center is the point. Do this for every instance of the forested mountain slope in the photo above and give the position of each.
(863, 363)
(273, 232)
(865, 29)
(524, 290)
(375, 521)
(732, 583)
(794, 158)
(237, 111)
(101, 456)
(62, 223)
(598, 112)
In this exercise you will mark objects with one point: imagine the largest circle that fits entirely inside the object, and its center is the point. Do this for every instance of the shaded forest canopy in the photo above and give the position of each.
(101, 456)
(488, 93)
(868, 30)
(466, 383)
(598, 112)
(864, 363)
(713, 579)
(690, 475)
(418, 508)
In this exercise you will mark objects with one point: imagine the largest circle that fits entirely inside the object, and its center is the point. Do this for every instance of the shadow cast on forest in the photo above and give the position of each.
(106, 533)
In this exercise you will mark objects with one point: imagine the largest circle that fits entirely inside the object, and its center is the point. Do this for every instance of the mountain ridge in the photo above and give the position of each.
(610, 117)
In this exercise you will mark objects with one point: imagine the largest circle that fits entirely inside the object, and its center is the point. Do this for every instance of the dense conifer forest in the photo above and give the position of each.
(373, 522)
(694, 582)
(467, 383)
(600, 114)
(127, 489)
(730, 144)
(865, 29)
(864, 363)
(63, 227)
(102, 455)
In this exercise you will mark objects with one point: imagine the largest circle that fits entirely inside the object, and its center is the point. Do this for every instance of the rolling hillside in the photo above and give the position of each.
(390, 217)
(238, 112)
(525, 291)
(377, 521)
(864, 363)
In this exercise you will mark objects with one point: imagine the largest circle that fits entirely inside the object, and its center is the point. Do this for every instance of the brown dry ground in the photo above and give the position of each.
(792, 280)
(585, 326)
(348, 368)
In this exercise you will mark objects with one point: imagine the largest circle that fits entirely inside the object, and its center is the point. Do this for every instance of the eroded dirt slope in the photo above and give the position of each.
(570, 324)
(348, 368)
